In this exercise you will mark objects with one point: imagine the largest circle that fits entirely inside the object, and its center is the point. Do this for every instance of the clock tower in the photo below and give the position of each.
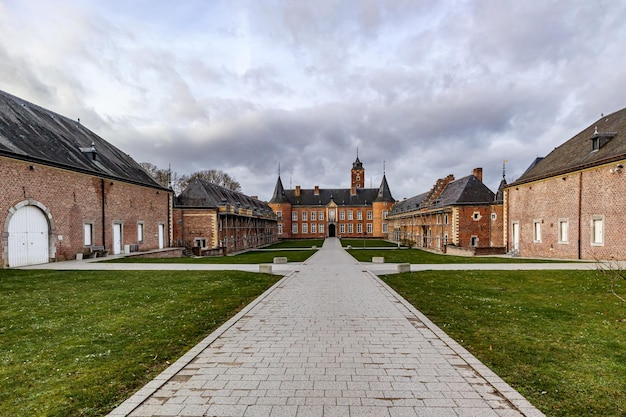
(358, 176)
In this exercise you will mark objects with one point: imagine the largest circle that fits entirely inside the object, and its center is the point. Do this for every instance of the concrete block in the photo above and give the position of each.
(280, 259)
(404, 267)
(265, 268)
(378, 259)
(79, 256)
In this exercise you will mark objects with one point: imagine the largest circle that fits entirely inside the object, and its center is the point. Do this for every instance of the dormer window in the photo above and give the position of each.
(599, 139)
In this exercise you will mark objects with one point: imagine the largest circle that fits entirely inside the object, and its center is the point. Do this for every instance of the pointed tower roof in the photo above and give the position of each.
(384, 193)
(357, 164)
(279, 193)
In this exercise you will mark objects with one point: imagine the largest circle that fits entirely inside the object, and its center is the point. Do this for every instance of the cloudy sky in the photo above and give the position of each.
(426, 88)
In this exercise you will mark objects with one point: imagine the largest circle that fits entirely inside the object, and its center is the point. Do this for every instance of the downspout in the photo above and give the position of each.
(580, 205)
(103, 213)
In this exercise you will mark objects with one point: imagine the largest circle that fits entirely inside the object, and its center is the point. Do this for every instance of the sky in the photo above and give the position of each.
(419, 88)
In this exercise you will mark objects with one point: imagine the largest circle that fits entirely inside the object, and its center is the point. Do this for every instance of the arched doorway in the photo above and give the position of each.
(28, 237)
(332, 230)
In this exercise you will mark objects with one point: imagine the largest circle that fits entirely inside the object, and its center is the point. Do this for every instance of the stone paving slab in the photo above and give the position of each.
(329, 339)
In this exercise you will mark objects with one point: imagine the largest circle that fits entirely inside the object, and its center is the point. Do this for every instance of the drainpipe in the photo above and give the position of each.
(103, 213)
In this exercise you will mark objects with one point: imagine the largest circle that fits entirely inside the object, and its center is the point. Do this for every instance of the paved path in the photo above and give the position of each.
(329, 339)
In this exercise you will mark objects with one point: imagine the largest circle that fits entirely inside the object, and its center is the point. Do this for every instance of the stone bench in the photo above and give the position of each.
(378, 259)
(265, 268)
(404, 268)
(280, 259)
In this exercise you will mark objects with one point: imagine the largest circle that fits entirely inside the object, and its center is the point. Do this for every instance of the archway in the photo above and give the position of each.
(332, 230)
(28, 236)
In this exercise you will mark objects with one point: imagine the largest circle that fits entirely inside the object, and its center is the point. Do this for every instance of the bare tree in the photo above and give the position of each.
(162, 176)
(214, 176)
(614, 272)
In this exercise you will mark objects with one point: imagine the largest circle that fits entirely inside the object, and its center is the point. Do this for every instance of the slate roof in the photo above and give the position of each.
(341, 196)
(577, 152)
(203, 194)
(465, 191)
(31, 133)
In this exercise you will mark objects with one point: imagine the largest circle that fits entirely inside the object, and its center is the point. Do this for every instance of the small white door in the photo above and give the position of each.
(28, 237)
(515, 237)
(117, 238)
(161, 236)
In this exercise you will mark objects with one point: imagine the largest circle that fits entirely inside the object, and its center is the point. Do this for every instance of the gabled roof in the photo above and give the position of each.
(203, 194)
(32, 133)
(341, 196)
(578, 153)
(465, 191)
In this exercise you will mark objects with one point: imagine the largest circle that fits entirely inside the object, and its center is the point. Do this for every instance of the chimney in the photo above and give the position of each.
(353, 190)
(297, 191)
(317, 190)
(478, 173)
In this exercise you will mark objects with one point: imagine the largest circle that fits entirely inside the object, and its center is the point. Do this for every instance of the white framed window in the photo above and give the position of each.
(385, 228)
(139, 232)
(350, 215)
(350, 228)
(294, 228)
(494, 216)
(280, 228)
(342, 215)
(88, 234)
(597, 231)
(370, 228)
(313, 216)
(313, 228)
(537, 231)
(359, 215)
(369, 215)
(476, 216)
(563, 231)
(474, 241)
(294, 216)
(320, 215)
(359, 228)
(385, 212)
(321, 227)
(199, 242)
(331, 214)
(305, 216)
(279, 214)
(445, 219)
(305, 228)
(342, 229)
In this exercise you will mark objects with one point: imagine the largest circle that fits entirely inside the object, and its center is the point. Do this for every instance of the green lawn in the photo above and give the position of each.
(558, 337)
(418, 256)
(252, 257)
(78, 343)
(367, 243)
(300, 243)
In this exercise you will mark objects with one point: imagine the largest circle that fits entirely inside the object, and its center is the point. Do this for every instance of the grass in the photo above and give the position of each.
(418, 256)
(368, 243)
(78, 343)
(252, 257)
(300, 243)
(558, 337)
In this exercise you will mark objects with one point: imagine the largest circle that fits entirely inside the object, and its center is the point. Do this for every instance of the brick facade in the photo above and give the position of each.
(70, 199)
(575, 199)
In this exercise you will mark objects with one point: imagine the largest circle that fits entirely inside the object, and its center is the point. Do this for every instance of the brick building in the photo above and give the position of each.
(570, 204)
(210, 219)
(355, 212)
(66, 191)
(456, 216)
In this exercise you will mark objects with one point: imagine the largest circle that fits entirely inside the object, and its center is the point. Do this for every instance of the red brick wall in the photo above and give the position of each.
(190, 224)
(601, 192)
(72, 198)
(477, 221)
(285, 220)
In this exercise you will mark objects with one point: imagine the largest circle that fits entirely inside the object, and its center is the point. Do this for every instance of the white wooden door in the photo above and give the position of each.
(515, 237)
(117, 238)
(161, 236)
(28, 237)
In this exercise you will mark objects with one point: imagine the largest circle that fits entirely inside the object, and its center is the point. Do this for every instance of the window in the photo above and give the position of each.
(321, 215)
(350, 216)
(139, 232)
(313, 227)
(474, 241)
(537, 231)
(331, 214)
(494, 216)
(476, 215)
(199, 242)
(342, 229)
(359, 215)
(279, 214)
(294, 216)
(385, 214)
(321, 228)
(597, 231)
(563, 230)
(369, 215)
(350, 228)
(305, 216)
(342, 215)
(359, 228)
(280, 228)
(88, 234)
(384, 227)
(305, 228)
(313, 215)
(294, 228)
(445, 219)
(369, 228)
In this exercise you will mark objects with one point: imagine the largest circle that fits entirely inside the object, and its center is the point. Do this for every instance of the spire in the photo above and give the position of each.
(499, 197)
(279, 193)
(384, 193)
(357, 164)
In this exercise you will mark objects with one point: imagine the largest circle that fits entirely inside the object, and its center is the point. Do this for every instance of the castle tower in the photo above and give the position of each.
(358, 176)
